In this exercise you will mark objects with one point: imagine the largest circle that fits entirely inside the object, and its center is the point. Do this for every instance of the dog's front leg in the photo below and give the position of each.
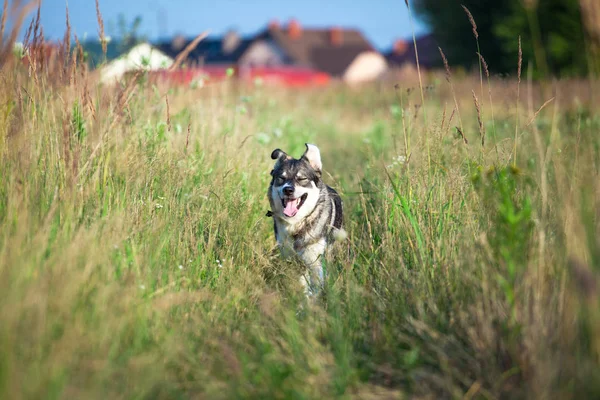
(313, 279)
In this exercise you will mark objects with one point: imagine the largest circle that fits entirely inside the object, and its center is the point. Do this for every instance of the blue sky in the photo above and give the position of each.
(380, 20)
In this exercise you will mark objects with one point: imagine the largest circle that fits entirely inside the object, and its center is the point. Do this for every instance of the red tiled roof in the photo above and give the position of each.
(315, 47)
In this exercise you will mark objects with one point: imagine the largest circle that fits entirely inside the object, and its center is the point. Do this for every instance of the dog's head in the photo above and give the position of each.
(295, 183)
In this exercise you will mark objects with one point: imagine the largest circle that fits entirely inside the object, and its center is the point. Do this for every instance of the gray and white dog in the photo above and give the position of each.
(307, 214)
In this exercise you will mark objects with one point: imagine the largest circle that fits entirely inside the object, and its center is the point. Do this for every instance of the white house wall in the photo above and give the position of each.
(366, 67)
(262, 53)
(143, 56)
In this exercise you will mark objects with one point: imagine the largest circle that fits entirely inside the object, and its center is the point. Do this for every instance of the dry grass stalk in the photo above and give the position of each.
(80, 52)
(86, 96)
(472, 21)
(414, 37)
(462, 135)
(3, 21)
(520, 65)
(479, 119)
(73, 70)
(168, 114)
(187, 138)
(451, 117)
(476, 35)
(122, 102)
(449, 80)
(67, 40)
(7, 44)
(125, 94)
(443, 118)
(484, 64)
(37, 27)
(407, 150)
(519, 69)
(539, 110)
(188, 49)
(67, 145)
(101, 29)
(487, 75)
(27, 37)
(446, 66)
(41, 54)
(20, 98)
(35, 51)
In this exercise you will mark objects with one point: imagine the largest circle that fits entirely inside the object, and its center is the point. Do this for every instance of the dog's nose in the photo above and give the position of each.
(288, 190)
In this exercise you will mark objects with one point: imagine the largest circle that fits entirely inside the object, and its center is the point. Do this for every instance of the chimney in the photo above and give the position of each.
(294, 29)
(274, 24)
(400, 47)
(230, 42)
(178, 42)
(336, 36)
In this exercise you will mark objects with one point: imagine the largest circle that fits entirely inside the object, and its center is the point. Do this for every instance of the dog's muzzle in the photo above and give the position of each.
(292, 205)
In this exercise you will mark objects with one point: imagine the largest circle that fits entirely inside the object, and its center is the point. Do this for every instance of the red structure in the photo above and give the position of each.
(281, 75)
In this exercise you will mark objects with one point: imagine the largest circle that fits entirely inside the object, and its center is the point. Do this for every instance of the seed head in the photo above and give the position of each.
(472, 21)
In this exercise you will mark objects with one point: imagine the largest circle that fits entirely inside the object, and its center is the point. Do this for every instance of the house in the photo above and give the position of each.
(224, 52)
(402, 53)
(141, 57)
(247, 58)
(339, 52)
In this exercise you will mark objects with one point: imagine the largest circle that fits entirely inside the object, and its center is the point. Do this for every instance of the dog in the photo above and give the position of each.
(307, 214)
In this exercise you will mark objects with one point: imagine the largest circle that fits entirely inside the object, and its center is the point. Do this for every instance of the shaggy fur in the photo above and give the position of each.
(307, 214)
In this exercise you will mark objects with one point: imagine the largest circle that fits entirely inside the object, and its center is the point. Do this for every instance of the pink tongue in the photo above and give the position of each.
(291, 208)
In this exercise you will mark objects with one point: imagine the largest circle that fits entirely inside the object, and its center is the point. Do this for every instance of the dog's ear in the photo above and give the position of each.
(313, 156)
(278, 153)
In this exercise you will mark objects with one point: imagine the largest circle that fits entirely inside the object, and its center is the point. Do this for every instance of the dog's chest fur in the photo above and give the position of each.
(309, 230)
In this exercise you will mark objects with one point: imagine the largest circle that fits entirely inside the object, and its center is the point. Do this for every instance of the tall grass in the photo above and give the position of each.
(136, 261)
(426, 131)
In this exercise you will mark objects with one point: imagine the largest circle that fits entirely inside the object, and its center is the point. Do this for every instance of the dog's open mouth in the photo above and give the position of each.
(291, 206)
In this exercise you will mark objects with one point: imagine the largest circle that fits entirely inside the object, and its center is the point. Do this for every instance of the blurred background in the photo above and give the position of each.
(313, 43)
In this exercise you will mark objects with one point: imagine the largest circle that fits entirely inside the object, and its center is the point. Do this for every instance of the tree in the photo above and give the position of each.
(551, 33)
(129, 35)
(121, 39)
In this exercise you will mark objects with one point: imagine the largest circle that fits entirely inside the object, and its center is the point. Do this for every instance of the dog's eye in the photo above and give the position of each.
(279, 180)
(302, 179)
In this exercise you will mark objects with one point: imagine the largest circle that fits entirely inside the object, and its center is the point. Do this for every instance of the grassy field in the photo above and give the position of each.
(136, 260)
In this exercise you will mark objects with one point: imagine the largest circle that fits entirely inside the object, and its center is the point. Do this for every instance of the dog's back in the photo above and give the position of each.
(337, 217)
